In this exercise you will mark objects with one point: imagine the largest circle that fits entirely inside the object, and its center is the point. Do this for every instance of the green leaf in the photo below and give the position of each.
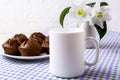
(93, 4)
(101, 31)
(63, 14)
(104, 4)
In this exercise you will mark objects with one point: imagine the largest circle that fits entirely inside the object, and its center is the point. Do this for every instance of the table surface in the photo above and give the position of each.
(107, 68)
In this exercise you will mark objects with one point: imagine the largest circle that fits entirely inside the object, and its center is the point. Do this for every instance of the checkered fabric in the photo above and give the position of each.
(110, 41)
(107, 68)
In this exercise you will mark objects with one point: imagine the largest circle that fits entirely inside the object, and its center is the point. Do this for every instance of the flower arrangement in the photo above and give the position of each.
(96, 13)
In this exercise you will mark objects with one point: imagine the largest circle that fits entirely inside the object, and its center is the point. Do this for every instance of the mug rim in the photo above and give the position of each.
(66, 30)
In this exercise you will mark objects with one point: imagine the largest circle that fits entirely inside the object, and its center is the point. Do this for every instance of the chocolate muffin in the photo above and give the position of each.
(11, 46)
(30, 48)
(45, 45)
(38, 37)
(20, 37)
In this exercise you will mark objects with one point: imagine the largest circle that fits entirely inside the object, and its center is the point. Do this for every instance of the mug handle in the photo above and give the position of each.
(97, 52)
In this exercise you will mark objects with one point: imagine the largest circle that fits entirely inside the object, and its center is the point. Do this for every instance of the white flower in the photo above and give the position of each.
(100, 14)
(80, 12)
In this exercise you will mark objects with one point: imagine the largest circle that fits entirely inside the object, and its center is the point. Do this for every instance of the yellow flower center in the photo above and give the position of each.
(99, 15)
(80, 12)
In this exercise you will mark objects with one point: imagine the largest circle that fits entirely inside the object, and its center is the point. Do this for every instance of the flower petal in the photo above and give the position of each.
(107, 17)
(100, 23)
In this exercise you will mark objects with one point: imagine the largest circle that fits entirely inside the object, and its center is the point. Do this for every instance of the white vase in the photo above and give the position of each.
(90, 32)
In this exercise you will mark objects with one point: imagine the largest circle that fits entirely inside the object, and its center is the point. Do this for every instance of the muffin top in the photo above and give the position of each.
(46, 42)
(38, 37)
(30, 44)
(12, 43)
(20, 37)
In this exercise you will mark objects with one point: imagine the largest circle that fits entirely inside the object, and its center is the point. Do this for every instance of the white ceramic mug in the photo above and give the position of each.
(67, 47)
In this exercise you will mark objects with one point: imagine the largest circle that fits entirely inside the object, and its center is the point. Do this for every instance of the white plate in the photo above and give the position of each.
(42, 56)
(28, 57)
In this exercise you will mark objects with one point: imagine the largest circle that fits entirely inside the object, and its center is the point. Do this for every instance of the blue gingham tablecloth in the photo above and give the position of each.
(110, 41)
(107, 68)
